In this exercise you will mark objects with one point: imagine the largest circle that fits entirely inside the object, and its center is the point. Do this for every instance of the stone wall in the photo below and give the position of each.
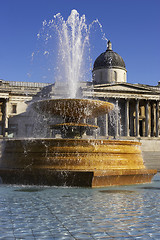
(151, 153)
(109, 75)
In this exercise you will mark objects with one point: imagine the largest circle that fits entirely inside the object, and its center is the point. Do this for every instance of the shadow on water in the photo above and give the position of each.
(29, 190)
(150, 188)
(116, 191)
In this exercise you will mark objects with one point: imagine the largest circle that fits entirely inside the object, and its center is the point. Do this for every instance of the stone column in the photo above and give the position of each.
(137, 118)
(131, 118)
(154, 127)
(95, 121)
(127, 118)
(157, 119)
(106, 125)
(117, 121)
(152, 119)
(5, 118)
(147, 134)
(96, 131)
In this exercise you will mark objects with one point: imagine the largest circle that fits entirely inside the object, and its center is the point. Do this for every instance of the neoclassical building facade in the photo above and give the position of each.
(136, 112)
(14, 97)
(138, 104)
(137, 108)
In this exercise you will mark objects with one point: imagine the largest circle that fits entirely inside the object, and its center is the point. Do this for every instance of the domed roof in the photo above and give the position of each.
(109, 59)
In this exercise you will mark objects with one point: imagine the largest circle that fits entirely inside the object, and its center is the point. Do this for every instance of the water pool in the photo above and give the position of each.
(38, 212)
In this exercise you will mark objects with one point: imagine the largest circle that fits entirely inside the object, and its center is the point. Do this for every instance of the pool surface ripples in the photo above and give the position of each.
(38, 212)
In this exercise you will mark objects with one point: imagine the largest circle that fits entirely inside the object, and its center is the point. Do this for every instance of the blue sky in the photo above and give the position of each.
(133, 26)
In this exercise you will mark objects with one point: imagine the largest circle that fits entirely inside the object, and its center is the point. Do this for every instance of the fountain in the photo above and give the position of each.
(73, 159)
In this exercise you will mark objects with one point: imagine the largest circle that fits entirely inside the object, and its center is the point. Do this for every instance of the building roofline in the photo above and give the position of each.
(23, 84)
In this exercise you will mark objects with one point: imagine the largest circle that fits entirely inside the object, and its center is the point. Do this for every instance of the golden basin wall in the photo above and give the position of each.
(71, 154)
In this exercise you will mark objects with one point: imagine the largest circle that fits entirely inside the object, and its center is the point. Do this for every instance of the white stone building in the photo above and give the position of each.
(138, 104)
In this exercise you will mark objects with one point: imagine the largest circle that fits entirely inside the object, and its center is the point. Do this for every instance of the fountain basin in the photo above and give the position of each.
(73, 109)
(73, 162)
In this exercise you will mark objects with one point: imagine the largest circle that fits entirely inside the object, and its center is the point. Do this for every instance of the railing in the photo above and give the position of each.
(23, 84)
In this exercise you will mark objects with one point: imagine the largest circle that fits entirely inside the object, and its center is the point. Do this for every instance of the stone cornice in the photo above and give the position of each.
(124, 96)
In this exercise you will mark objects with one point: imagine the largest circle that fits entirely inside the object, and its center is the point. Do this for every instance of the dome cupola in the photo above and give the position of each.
(109, 67)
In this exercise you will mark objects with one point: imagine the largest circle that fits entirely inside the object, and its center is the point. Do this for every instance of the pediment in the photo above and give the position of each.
(126, 87)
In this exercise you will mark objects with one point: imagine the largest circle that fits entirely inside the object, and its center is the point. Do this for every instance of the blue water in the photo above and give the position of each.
(35, 212)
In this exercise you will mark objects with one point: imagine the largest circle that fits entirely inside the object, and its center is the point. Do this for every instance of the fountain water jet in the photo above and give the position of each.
(72, 160)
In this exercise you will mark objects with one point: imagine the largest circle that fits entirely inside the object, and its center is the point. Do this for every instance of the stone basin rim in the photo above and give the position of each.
(70, 140)
(73, 107)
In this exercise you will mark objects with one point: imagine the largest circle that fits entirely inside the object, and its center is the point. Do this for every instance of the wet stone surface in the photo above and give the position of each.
(126, 212)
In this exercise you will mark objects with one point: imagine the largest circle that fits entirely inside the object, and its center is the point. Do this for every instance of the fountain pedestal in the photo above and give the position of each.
(74, 162)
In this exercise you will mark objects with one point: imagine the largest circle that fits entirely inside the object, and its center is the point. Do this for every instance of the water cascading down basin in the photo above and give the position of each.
(72, 160)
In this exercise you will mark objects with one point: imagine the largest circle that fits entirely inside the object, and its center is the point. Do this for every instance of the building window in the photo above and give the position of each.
(14, 108)
(115, 76)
